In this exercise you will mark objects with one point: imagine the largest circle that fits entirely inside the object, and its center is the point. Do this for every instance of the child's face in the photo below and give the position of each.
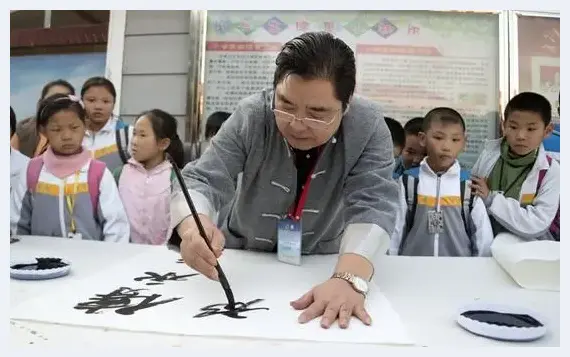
(443, 142)
(525, 131)
(413, 153)
(65, 132)
(145, 146)
(99, 104)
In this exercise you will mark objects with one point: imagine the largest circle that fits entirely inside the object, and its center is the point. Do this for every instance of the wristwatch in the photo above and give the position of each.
(357, 283)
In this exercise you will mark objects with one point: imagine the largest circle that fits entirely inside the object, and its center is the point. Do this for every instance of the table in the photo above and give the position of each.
(425, 291)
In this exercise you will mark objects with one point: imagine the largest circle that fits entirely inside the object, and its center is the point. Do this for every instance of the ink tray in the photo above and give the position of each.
(501, 322)
(39, 269)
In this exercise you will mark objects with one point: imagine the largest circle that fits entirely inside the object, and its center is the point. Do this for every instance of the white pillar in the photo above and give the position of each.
(504, 84)
(115, 51)
(47, 19)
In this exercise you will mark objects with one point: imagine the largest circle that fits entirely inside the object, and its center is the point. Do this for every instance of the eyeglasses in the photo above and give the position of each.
(310, 122)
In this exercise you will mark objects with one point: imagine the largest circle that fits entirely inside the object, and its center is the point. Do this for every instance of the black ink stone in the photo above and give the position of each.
(120, 301)
(240, 307)
(41, 264)
(502, 318)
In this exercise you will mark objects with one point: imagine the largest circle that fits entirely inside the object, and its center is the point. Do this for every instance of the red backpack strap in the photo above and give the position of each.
(94, 177)
(33, 173)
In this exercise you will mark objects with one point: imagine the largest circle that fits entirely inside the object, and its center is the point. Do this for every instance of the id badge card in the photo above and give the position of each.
(77, 236)
(435, 222)
(289, 241)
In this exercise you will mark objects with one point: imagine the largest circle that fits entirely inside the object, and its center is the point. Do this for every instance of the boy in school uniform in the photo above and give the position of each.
(413, 152)
(518, 181)
(398, 135)
(439, 216)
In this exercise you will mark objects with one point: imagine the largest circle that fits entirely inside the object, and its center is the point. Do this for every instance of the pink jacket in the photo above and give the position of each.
(146, 197)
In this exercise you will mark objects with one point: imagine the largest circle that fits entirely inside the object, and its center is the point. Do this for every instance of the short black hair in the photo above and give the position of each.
(319, 55)
(445, 115)
(99, 82)
(56, 103)
(414, 126)
(214, 123)
(397, 132)
(530, 102)
(12, 122)
(57, 82)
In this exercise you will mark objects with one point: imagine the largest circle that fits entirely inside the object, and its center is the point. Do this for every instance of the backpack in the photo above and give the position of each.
(122, 140)
(94, 177)
(119, 170)
(410, 179)
(555, 225)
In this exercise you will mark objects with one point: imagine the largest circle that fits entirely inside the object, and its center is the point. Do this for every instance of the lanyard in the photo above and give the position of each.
(70, 200)
(297, 210)
(513, 182)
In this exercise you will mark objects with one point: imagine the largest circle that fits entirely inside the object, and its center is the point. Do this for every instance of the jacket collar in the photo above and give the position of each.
(454, 170)
(541, 163)
(110, 126)
(163, 166)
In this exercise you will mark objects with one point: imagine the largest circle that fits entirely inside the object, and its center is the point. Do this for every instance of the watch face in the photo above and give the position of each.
(360, 285)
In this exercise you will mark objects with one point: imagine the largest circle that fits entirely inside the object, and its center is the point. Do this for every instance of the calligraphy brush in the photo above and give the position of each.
(221, 275)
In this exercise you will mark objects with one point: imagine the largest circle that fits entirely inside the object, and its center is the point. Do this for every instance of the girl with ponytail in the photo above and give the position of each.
(145, 181)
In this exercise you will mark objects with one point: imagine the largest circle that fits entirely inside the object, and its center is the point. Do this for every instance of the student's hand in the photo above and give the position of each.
(334, 299)
(479, 186)
(193, 248)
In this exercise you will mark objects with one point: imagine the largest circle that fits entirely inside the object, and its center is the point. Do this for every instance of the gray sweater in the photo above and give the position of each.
(352, 201)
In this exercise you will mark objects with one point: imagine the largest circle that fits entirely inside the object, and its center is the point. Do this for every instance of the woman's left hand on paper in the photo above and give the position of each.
(335, 299)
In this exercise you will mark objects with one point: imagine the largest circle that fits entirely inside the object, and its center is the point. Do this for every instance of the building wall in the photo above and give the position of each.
(155, 64)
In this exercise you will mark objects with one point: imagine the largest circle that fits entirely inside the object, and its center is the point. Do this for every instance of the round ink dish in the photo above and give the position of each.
(501, 322)
(39, 269)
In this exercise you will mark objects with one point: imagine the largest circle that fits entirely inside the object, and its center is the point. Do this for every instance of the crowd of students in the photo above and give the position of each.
(78, 171)
(513, 187)
(83, 173)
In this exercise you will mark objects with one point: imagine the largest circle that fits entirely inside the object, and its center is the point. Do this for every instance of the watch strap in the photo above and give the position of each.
(348, 277)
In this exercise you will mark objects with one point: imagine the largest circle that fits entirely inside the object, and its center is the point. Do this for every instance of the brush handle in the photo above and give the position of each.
(222, 277)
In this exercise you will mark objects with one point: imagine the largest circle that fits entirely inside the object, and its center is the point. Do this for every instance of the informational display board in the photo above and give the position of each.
(539, 57)
(408, 61)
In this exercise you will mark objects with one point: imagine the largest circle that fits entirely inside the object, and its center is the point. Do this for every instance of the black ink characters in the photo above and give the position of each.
(120, 301)
(240, 307)
(157, 279)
